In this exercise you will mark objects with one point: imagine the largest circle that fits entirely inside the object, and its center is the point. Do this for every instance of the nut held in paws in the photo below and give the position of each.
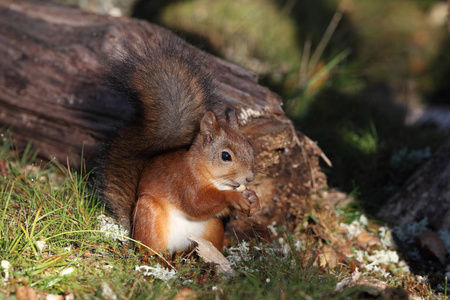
(241, 188)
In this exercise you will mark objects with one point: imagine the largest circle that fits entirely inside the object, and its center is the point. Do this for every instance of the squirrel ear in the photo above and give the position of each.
(232, 118)
(209, 127)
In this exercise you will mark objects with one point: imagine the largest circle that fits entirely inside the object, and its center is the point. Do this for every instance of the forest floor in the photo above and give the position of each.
(57, 243)
(350, 88)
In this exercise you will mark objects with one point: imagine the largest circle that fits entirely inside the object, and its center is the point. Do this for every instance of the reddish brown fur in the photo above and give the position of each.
(214, 232)
(149, 221)
(182, 180)
(170, 91)
(147, 173)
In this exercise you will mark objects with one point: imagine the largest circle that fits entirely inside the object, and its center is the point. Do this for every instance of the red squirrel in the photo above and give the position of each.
(172, 170)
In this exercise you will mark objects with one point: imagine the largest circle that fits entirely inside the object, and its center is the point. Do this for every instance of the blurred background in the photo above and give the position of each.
(367, 80)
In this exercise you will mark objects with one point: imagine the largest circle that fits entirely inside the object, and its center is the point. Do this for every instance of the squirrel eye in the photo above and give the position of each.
(226, 156)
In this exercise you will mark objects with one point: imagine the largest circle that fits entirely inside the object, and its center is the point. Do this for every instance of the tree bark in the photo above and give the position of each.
(51, 94)
(425, 195)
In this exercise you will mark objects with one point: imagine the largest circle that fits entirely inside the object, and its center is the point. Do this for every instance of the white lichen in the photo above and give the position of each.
(378, 259)
(272, 229)
(386, 238)
(112, 229)
(66, 271)
(6, 265)
(107, 292)
(405, 158)
(239, 253)
(384, 257)
(409, 232)
(41, 245)
(356, 227)
(247, 113)
(156, 272)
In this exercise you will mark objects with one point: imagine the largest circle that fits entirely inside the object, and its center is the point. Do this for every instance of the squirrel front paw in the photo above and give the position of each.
(248, 203)
(254, 201)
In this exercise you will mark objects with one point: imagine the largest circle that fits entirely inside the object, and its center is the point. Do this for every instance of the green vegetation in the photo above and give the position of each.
(49, 226)
(347, 80)
(51, 242)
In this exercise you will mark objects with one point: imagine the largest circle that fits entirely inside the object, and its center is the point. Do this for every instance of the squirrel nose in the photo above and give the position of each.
(251, 177)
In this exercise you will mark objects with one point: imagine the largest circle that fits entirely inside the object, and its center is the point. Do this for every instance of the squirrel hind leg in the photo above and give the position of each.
(214, 232)
(149, 224)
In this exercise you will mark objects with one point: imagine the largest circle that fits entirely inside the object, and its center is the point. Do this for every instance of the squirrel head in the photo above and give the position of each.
(227, 156)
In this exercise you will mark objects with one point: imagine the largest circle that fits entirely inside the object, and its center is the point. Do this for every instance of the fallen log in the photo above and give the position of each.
(426, 195)
(51, 94)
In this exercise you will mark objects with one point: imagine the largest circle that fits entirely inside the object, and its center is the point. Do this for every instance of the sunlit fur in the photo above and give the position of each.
(179, 192)
(162, 174)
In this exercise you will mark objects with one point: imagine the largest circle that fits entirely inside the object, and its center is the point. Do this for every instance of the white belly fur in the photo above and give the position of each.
(182, 227)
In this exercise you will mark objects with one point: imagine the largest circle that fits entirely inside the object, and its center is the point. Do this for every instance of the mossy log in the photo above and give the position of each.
(51, 94)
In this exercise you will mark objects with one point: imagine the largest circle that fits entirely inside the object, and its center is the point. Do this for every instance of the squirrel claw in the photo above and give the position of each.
(252, 202)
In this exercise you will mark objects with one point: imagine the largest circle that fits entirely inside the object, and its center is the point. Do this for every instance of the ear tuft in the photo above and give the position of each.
(209, 127)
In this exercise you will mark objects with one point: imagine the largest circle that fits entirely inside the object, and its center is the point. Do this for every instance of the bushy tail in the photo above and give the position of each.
(170, 90)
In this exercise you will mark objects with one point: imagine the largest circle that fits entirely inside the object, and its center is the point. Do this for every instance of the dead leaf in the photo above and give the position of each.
(210, 254)
(328, 257)
(345, 247)
(25, 293)
(342, 258)
(338, 199)
(185, 294)
(53, 297)
(341, 230)
(431, 242)
(366, 240)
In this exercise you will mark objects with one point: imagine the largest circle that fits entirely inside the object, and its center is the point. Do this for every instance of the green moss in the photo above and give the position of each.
(399, 47)
(253, 34)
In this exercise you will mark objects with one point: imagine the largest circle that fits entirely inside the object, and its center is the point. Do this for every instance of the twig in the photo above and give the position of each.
(209, 253)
